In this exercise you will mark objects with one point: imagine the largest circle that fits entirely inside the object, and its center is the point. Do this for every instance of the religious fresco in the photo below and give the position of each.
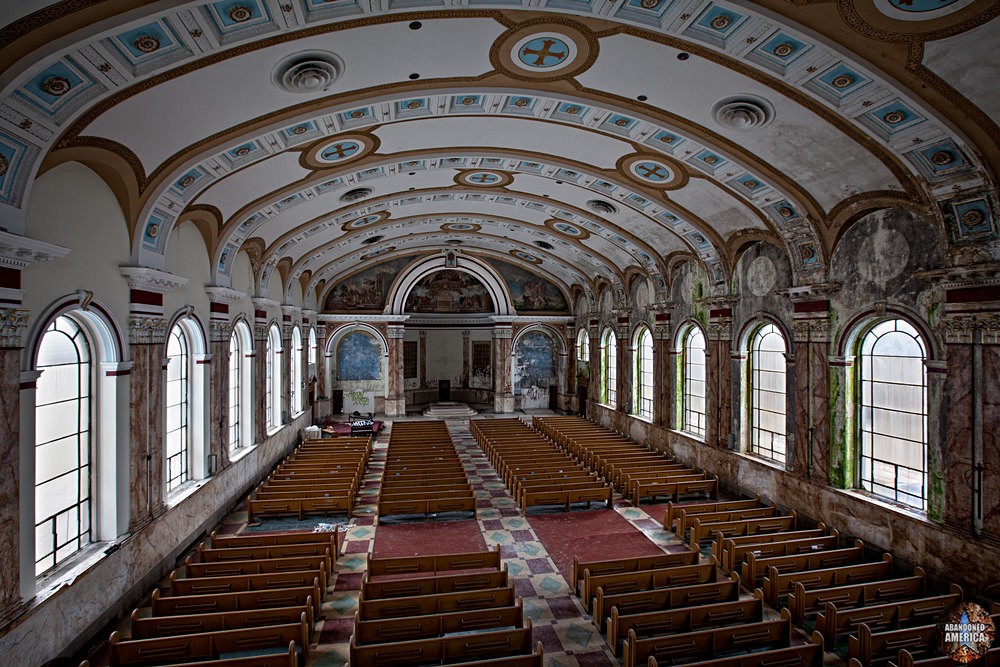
(358, 358)
(366, 290)
(529, 292)
(449, 291)
(533, 370)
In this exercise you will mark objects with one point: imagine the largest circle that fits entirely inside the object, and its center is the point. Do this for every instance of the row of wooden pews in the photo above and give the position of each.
(535, 471)
(319, 477)
(456, 609)
(423, 473)
(637, 472)
(240, 601)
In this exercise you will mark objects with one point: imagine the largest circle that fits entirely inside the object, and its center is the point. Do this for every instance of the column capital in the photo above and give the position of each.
(146, 330)
(226, 295)
(219, 331)
(292, 311)
(151, 280)
(961, 329)
(396, 331)
(13, 326)
(263, 303)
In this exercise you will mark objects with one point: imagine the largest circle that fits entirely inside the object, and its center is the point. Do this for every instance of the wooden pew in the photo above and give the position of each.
(672, 513)
(210, 555)
(246, 582)
(449, 583)
(754, 568)
(805, 655)
(873, 647)
(404, 628)
(778, 584)
(802, 602)
(906, 659)
(707, 644)
(160, 626)
(248, 600)
(732, 551)
(833, 622)
(234, 567)
(663, 598)
(616, 565)
(209, 645)
(685, 521)
(703, 530)
(288, 658)
(440, 603)
(468, 647)
(641, 580)
(264, 540)
(685, 619)
(401, 565)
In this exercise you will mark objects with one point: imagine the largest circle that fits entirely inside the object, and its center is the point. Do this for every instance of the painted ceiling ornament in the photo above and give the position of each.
(721, 22)
(338, 150)
(658, 171)
(784, 49)
(894, 117)
(484, 178)
(146, 43)
(300, 129)
(242, 151)
(973, 217)
(843, 81)
(240, 13)
(4, 164)
(545, 49)
(942, 158)
(153, 231)
(912, 20)
(56, 86)
(187, 181)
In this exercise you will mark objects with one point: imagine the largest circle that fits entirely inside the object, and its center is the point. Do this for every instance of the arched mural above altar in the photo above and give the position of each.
(449, 291)
(367, 290)
(530, 292)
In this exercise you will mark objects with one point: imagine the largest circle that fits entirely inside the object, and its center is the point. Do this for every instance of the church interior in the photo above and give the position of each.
(499, 332)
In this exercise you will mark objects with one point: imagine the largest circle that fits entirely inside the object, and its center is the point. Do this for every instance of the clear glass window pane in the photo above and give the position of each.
(767, 394)
(693, 395)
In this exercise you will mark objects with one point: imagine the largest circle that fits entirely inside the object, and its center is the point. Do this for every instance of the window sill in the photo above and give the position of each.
(238, 453)
(70, 570)
(643, 418)
(690, 436)
(183, 492)
(274, 429)
(908, 512)
(780, 467)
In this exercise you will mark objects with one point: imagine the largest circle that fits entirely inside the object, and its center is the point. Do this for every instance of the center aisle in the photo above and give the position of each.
(536, 561)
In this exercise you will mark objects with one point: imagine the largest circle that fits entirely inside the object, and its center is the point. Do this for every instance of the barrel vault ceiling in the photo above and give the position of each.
(589, 140)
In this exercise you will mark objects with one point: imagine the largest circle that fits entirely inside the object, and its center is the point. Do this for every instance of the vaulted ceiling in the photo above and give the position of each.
(589, 140)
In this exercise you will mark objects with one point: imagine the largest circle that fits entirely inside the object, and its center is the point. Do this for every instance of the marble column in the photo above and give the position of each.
(147, 388)
(395, 404)
(663, 377)
(811, 389)
(840, 462)
(287, 357)
(503, 394)
(422, 364)
(595, 388)
(720, 395)
(990, 429)
(12, 326)
(218, 440)
(465, 358)
(321, 388)
(260, 377)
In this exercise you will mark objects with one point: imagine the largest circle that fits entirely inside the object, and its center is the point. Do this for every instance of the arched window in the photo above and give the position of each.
(178, 435)
(693, 381)
(893, 413)
(583, 346)
(767, 394)
(609, 368)
(272, 397)
(312, 348)
(63, 416)
(236, 356)
(643, 378)
(295, 374)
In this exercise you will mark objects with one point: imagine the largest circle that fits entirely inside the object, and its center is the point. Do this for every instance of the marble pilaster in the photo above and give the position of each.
(503, 394)
(321, 388)
(260, 377)
(395, 404)
(990, 416)
(218, 440)
(147, 385)
(465, 358)
(422, 361)
(10, 475)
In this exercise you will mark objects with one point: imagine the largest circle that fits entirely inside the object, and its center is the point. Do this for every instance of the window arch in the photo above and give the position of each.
(642, 381)
(609, 368)
(582, 346)
(892, 413)
(272, 381)
(295, 372)
(767, 394)
(240, 387)
(313, 346)
(178, 433)
(693, 381)
(63, 443)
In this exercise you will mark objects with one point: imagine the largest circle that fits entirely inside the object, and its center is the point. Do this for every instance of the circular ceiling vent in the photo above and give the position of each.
(544, 245)
(372, 239)
(307, 71)
(355, 194)
(743, 112)
(602, 206)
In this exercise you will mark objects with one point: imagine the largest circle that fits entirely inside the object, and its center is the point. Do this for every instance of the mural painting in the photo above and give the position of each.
(367, 290)
(529, 292)
(534, 370)
(358, 358)
(449, 292)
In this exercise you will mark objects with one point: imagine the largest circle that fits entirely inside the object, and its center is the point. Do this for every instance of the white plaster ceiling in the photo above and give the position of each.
(200, 108)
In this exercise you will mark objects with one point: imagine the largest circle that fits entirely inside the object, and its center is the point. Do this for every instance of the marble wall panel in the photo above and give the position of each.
(10, 435)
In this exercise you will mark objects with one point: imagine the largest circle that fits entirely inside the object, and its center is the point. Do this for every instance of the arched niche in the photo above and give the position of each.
(490, 279)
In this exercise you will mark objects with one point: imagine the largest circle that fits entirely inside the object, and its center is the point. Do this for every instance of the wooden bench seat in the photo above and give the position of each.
(207, 554)
(703, 530)
(405, 628)
(685, 619)
(614, 566)
(672, 513)
(709, 486)
(149, 627)
(442, 583)
(265, 539)
(685, 521)
(450, 649)
(406, 565)
(802, 602)
(906, 659)
(427, 506)
(242, 601)
(210, 645)
(299, 507)
(778, 584)
(246, 582)
(439, 603)
(663, 598)
(708, 644)
(567, 497)
(287, 658)
(731, 551)
(804, 655)
(754, 568)
(868, 647)
(231, 567)
(833, 621)
(643, 580)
